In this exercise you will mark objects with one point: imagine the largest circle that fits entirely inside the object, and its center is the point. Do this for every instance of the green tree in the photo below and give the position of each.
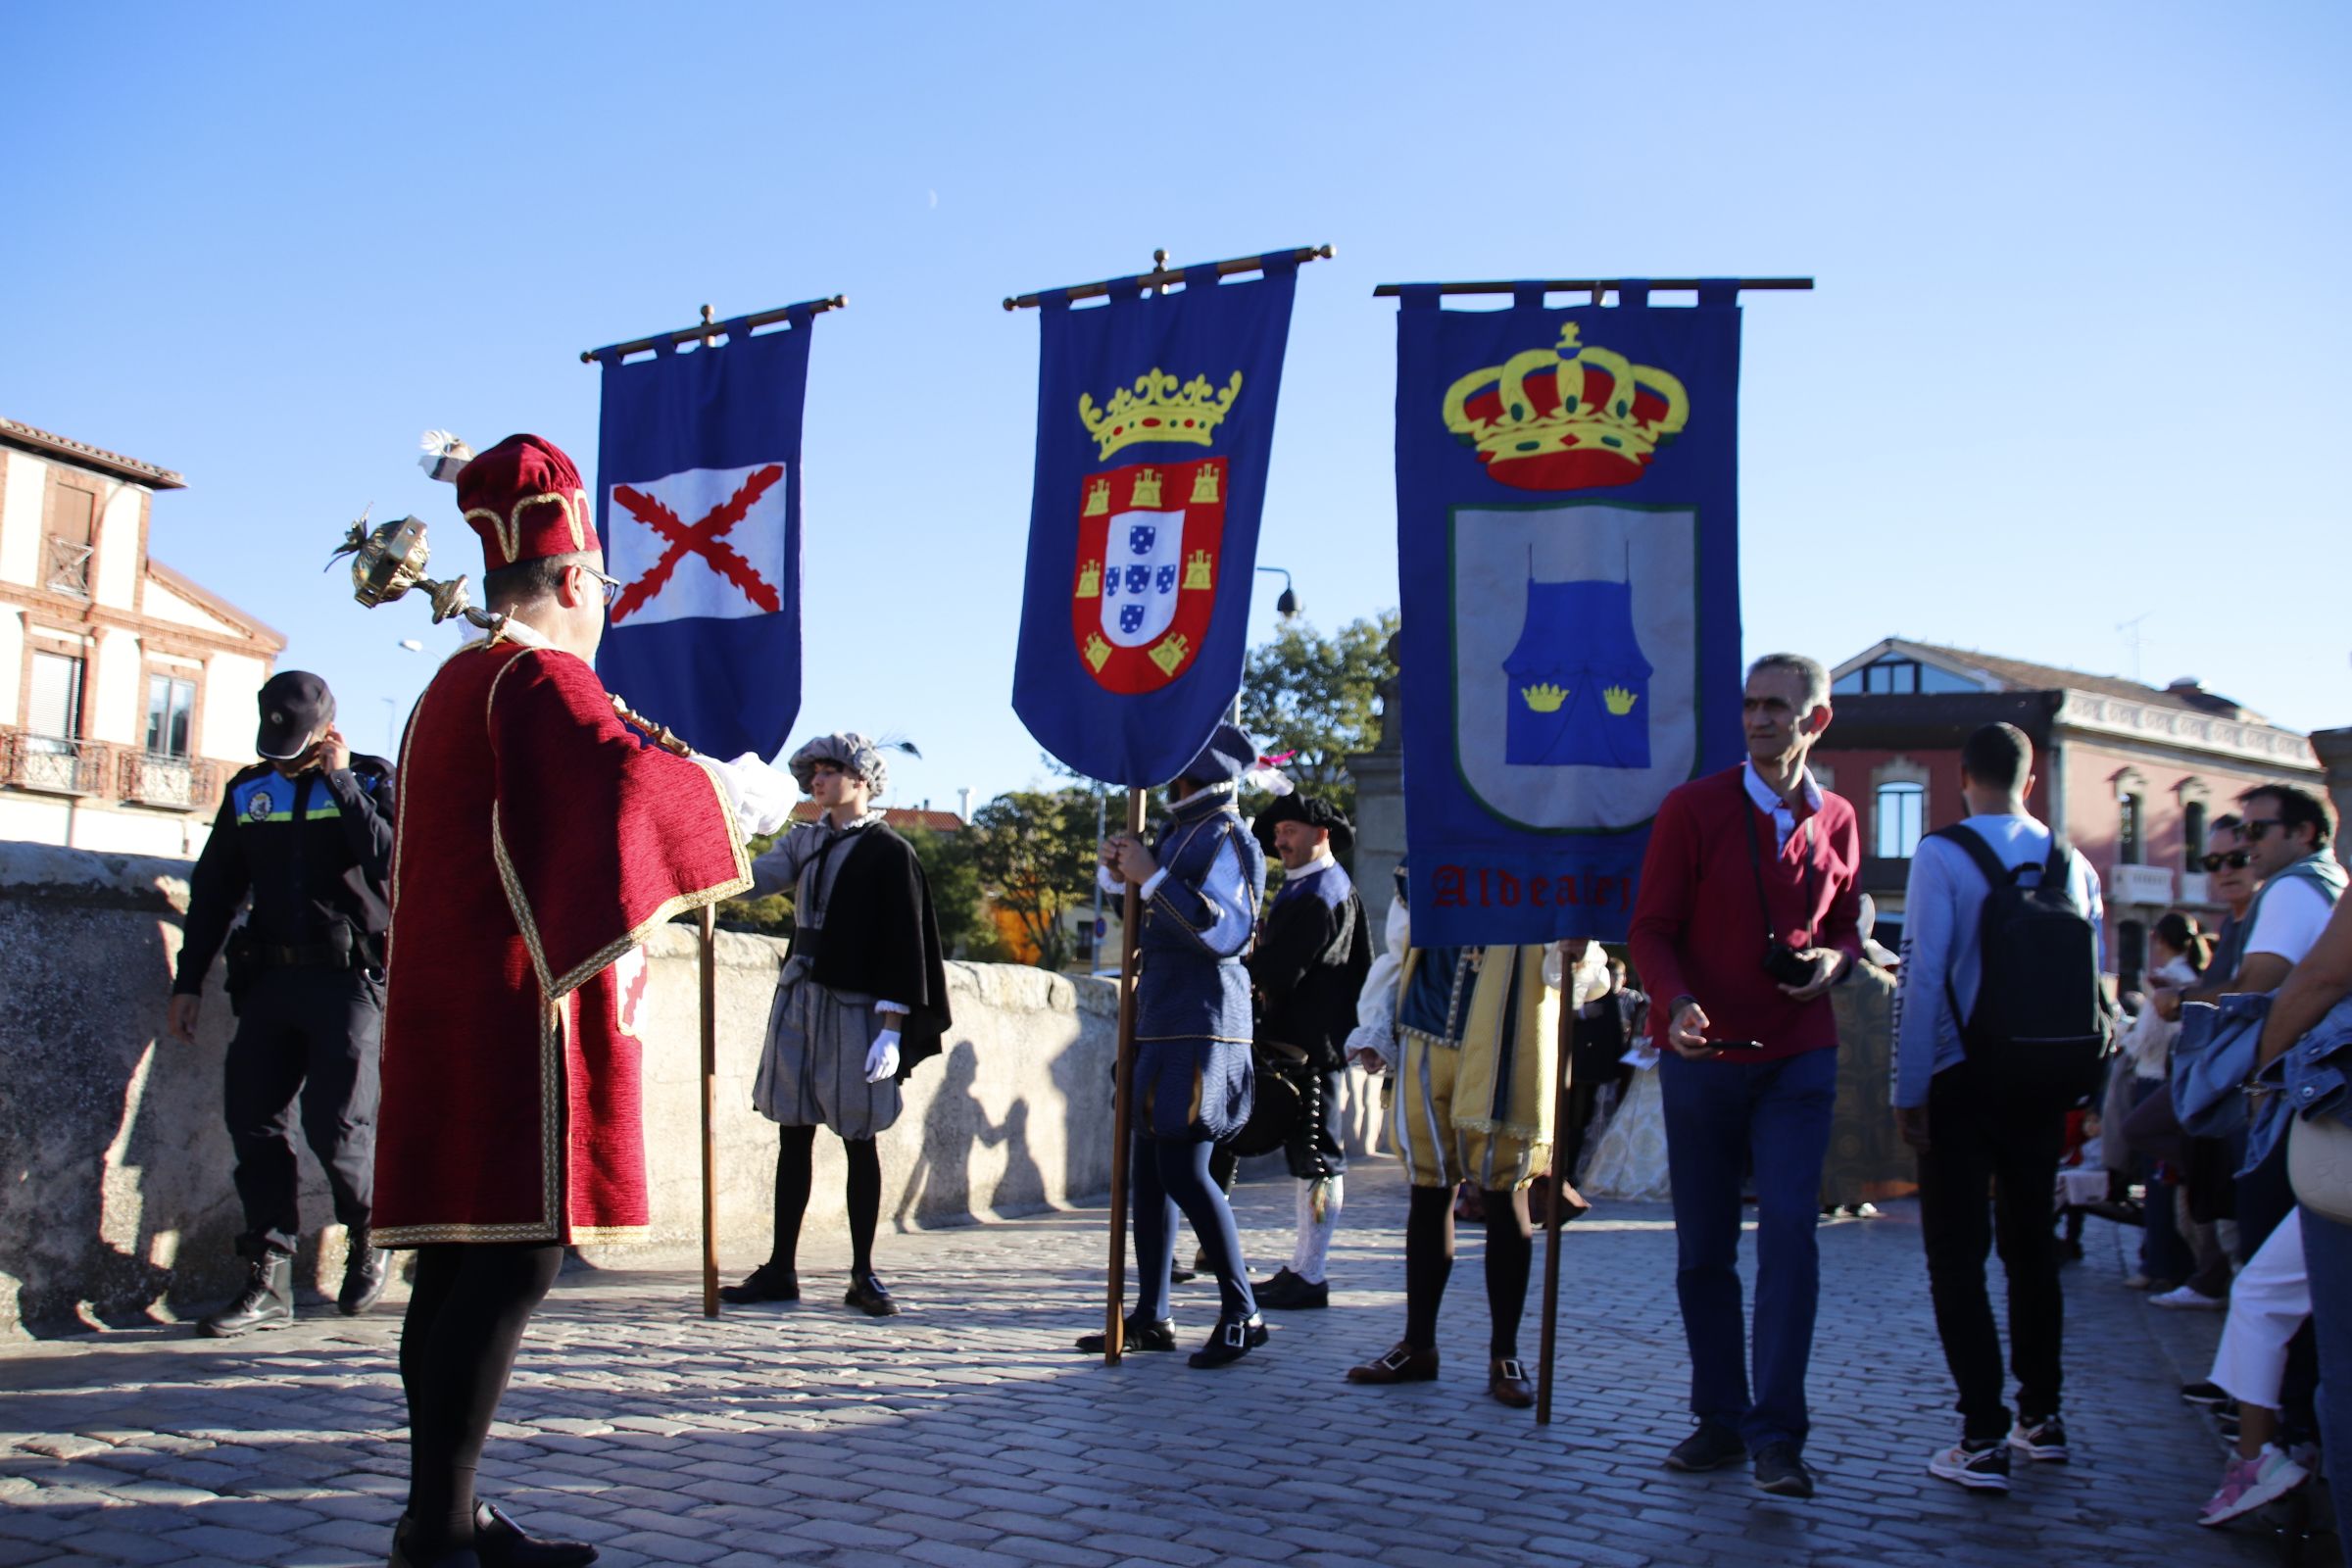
(768, 916)
(965, 928)
(1318, 697)
(1034, 853)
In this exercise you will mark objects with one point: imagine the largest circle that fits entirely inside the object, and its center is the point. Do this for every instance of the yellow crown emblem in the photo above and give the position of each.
(1098, 499)
(1090, 580)
(1556, 419)
(1198, 572)
(1618, 701)
(1147, 488)
(1098, 652)
(1157, 409)
(1544, 698)
(1204, 487)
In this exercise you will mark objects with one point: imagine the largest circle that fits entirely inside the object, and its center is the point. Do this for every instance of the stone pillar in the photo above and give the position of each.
(1379, 828)
(2334, 747)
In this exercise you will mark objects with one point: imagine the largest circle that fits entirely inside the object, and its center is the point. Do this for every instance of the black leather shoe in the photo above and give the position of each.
(1232, 1339)
(501, 1544)
(1288, 1293)
(405, 1553)
(766, 1283)
(266, 1302)
(1710, 1448)
(365, 1271)
(1782, 1471)
(1143, 1334)
(867, 1295)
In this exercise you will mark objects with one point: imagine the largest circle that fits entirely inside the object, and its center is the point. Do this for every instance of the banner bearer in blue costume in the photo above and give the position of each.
(1201, 882)
(1306, 970)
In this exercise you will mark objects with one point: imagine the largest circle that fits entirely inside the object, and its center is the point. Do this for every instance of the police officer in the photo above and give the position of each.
(307, 832)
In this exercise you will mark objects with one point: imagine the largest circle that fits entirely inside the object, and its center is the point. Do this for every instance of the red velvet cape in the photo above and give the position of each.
(539, 840)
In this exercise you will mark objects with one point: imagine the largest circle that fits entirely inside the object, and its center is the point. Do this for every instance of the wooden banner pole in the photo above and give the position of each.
(1551, 1207)
(709, 1010)
(1122, 1120)
(1162, 277)
(1597, 286)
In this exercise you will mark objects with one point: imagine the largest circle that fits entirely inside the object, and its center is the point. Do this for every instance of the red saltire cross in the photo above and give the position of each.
(706, 538)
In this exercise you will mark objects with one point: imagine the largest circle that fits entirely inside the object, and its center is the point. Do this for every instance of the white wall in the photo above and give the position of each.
(162, 604)
(118, 709)
(116, 582)
(20, 517)
(231, 693)
(34, 818)
(11, 659)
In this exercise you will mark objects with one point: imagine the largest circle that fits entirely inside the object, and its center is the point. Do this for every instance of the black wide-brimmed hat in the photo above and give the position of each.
(1311, 810)
(1223, 759)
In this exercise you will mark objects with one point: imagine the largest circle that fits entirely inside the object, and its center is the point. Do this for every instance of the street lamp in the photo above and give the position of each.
(1287, 605)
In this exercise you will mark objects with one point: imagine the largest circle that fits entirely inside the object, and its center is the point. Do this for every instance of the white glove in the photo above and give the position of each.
(883, 1060)
(760, 796)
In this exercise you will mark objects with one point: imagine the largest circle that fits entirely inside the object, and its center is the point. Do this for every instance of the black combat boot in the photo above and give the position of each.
(365, 1271)
(266, 1302)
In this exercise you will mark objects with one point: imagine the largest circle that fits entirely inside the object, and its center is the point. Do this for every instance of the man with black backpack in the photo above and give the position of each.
(2000, 1029)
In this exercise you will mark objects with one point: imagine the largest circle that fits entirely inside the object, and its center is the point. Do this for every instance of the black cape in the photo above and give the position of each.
(881, 937)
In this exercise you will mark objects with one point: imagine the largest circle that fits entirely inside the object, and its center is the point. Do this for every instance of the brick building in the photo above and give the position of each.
(126, 691)
(2137, 771)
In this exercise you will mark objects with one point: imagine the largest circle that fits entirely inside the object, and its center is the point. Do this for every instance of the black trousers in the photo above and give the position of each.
(313, 1031)
(1313, 1149)
(1988, 1179)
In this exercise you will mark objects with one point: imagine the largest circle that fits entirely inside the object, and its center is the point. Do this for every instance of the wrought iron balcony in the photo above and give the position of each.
(149, 779)
(52, 764)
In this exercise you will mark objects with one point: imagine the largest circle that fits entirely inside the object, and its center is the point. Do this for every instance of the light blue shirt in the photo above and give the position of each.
(1943, 905)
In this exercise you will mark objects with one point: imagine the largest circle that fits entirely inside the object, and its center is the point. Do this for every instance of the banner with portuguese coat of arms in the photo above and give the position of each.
(1569, 551)
(698, 501)
(1155, 417)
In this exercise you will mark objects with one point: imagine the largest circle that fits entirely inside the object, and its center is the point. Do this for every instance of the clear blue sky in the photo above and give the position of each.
(2079, 351)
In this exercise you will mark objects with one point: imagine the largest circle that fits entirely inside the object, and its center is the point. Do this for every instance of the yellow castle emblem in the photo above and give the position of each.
(1158, 408)
(1570, 417)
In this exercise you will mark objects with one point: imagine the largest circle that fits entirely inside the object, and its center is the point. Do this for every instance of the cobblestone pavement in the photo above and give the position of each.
(965, 1432)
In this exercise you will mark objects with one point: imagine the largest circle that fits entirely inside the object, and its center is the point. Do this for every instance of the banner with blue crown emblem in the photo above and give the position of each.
(1156, 418)
(698, 501)
(1568, 543)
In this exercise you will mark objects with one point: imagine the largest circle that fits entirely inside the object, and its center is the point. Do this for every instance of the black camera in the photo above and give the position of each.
(1788, 966)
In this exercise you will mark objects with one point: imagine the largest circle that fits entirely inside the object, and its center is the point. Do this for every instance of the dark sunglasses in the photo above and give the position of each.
(2256, 828)
(2235, 861)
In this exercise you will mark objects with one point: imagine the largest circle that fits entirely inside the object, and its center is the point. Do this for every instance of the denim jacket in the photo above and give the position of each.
(2315, 1074)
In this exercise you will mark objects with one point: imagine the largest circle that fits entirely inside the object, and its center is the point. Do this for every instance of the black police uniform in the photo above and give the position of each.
(306, 976)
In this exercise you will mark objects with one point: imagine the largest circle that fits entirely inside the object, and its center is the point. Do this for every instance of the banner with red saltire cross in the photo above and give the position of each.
(699, 502)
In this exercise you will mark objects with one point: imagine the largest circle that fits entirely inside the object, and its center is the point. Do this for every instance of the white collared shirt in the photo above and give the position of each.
(1783, 818)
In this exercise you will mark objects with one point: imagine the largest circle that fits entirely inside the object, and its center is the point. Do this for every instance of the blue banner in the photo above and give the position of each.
(1156, 415)
(697, 503)
(1568, 542)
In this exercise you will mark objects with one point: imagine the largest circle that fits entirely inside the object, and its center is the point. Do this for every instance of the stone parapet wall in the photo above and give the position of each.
(116, 1205)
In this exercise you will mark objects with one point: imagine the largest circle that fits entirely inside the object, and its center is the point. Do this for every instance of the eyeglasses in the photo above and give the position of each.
(2256, 827)
(2235, 861)
(611, 585)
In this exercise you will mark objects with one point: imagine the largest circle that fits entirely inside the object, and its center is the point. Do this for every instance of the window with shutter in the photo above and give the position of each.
(54, 711)
(71, 529)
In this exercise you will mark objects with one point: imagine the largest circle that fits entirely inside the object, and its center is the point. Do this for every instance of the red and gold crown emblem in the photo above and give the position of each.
(1569, 419)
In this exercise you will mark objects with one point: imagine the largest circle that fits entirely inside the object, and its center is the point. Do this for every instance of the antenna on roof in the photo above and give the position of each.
(2132, 635)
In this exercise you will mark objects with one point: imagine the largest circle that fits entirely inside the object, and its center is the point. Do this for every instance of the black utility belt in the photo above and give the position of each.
(350, 952)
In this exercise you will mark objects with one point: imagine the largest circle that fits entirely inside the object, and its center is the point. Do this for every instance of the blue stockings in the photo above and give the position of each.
(1167, 1174)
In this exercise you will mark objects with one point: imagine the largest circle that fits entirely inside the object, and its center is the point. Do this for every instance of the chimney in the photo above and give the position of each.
(963, 803)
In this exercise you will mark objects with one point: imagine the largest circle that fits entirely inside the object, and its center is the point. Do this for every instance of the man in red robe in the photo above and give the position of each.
(541, 839)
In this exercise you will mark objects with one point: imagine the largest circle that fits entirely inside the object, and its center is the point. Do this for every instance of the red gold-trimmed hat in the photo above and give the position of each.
(524, 498)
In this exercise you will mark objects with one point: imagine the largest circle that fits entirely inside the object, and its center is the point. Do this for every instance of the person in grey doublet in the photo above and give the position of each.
(861, 1001)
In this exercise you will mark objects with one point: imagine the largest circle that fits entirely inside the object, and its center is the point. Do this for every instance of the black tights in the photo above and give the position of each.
(467, 1307)
(1429, 1260)
(796, 1161)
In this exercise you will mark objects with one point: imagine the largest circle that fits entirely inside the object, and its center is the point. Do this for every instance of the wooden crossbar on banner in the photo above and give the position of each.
(688, 334)
(1597, 286)
(1162, 275)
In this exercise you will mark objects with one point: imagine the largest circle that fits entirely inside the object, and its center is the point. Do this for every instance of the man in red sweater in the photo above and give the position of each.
(1745, 918)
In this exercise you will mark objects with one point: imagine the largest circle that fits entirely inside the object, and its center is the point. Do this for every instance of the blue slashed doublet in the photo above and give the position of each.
(1193, 1071)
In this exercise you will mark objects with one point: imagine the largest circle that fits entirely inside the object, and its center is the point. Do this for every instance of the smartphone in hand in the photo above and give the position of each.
(1737, 1045)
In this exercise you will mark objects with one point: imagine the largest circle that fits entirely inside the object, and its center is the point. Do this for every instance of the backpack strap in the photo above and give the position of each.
(1972, 843)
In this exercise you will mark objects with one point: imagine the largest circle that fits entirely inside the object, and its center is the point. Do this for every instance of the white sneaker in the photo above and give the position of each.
(1980, 1469)
(2189, 1298)
(2248, 1484)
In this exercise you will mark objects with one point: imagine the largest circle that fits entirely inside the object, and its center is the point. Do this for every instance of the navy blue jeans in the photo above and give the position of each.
(1722, 1117)
(2328, 1259)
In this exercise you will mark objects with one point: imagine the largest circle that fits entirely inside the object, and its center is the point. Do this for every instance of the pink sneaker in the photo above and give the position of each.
(2248, 1484)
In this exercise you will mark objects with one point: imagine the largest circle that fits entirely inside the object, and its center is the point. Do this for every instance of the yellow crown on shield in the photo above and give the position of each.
(1090, 580)
(1544, 698)
(1158, 409)
(1566, 418)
